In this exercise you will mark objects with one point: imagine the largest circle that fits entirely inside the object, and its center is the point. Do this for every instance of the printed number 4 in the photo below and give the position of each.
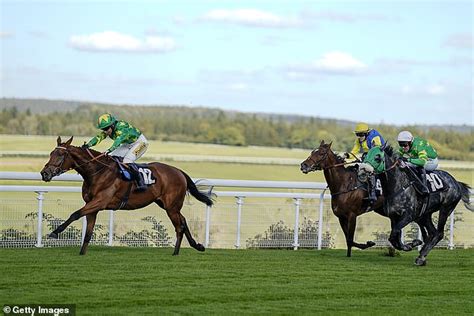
(146, 175)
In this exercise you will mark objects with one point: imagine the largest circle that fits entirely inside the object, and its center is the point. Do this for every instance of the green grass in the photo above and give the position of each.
(137, 281)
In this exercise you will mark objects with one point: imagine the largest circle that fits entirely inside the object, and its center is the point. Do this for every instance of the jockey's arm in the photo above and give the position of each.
(376, 141)
(117, 142)
(355, 149)
(420, 160)
(97, 139)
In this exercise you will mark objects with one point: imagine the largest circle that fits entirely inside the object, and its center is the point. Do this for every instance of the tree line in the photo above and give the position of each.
(205, 125)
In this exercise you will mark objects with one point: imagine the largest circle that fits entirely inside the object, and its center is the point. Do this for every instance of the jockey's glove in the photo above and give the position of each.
(346, 155)
(84, 146)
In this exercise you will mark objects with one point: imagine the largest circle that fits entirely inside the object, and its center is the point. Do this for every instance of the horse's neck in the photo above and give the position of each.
(87, 167)
(335, 178)
(393, 180)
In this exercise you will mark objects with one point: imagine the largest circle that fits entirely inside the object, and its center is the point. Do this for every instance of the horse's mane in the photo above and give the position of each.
(94, 152)
(390, 151)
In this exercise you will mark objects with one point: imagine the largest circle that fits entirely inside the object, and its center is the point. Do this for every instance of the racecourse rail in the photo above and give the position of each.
(317, 191)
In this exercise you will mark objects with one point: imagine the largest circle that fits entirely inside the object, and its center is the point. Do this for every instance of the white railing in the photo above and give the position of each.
(297, 197)
(41, 190)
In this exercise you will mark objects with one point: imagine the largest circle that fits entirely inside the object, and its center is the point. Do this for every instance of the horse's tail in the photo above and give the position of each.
(200, 196)
(466, 195)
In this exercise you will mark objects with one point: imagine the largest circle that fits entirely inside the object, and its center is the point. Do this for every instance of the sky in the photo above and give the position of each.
(393, 62)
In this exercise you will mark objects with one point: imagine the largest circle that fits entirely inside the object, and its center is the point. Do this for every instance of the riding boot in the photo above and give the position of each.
(372, 194)
(424, 187)
(141, 186)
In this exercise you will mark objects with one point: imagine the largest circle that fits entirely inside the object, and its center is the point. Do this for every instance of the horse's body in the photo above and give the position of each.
(404, 205)
(103, 189)
(349, 197)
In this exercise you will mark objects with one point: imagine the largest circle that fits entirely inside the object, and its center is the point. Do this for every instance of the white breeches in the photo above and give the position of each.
(133, 151)
(430, 165)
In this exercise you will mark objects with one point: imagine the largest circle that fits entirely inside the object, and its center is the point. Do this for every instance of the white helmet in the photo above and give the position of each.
(405, 136)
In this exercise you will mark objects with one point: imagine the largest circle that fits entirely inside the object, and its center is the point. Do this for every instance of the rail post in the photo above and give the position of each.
(240, 201)
(208, 220)
(39, 235)
(320, 222)
(451, 231)
(297, 219)
(111, 228)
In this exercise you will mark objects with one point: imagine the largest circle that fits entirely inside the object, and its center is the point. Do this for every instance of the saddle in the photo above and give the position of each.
(135, 172)
(426, 182)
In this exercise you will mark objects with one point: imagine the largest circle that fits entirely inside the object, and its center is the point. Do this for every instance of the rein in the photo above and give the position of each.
(350, 190)
(80, 165)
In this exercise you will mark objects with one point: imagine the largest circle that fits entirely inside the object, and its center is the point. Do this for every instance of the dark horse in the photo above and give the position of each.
(404, 205)
(349, 196)
(103, 188)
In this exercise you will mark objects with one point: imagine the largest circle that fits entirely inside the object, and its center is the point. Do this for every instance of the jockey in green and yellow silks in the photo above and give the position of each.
(417, 150)
(129, 142)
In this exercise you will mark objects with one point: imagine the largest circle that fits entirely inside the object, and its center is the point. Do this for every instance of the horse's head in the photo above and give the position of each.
(318, 159)
(59, 161)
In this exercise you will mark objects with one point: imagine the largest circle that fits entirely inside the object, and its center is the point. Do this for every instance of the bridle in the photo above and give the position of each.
(314, 162)
(59, 170)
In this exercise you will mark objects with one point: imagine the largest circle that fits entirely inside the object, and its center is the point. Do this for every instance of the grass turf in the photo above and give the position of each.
(121, 280)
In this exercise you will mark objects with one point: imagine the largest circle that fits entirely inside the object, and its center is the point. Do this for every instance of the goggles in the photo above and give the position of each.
(361, 134)
(404, 144)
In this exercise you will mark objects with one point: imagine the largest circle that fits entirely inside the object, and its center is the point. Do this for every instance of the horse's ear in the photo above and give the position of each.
(58, 140)
(69, 141)
(329, 145)
(322, 143)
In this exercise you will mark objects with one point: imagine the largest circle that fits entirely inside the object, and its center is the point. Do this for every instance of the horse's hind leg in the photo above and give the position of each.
(352, 226)
(90, 228)
(436, 234)
(344, 221)
(187, 232)
(175, 218)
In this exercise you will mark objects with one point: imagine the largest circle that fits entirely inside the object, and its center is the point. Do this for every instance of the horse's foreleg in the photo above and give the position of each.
(396, 234)
(90, 228)
(86, 209)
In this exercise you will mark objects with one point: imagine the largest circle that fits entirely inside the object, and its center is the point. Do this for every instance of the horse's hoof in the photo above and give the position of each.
(417, 242)
(370, 243)
(53, 235)
(200, 247)
(420, 261)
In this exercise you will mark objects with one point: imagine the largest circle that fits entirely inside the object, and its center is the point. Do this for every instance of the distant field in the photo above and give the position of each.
(139, 281)
(288, 170)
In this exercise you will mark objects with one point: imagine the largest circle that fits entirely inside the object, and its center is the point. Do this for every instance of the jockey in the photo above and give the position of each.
(417, 152)
(129, 142)
(366, 139)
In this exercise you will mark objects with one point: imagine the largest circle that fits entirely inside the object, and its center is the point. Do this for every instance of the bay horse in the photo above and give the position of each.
(103, 188)
(404, 204)
(349, 197)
